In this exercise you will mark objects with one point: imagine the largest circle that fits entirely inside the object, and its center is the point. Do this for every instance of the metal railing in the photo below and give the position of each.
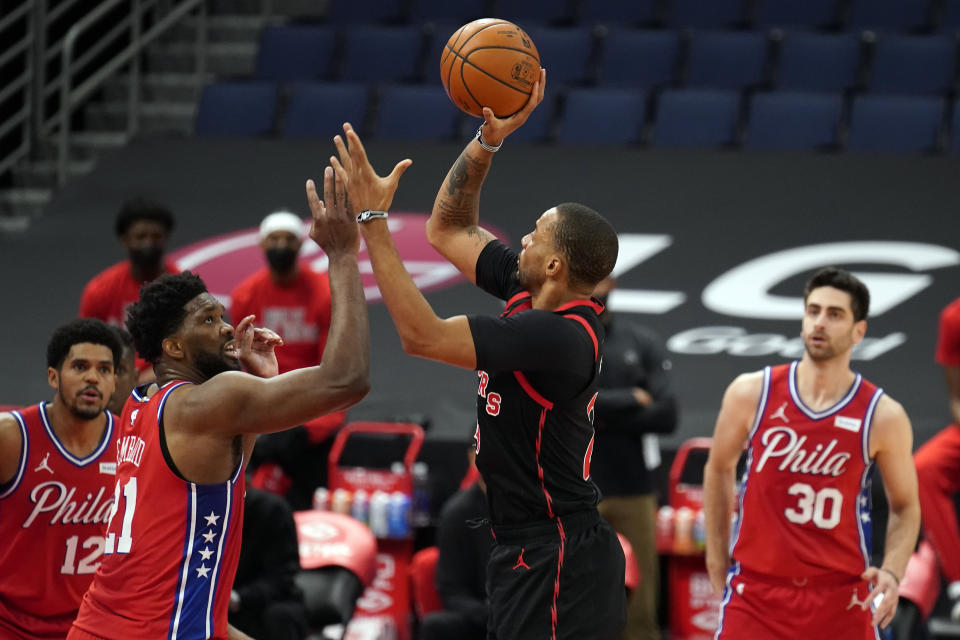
(106, 38)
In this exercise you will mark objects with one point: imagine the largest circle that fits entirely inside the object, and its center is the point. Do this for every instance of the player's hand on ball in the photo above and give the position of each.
(334, 225)
(496, 129)
(368, 191)
(886, 585)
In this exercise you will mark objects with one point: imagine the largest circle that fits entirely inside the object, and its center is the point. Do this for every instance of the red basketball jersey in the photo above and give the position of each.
(52, 517)
(805, 493)
(172, 546)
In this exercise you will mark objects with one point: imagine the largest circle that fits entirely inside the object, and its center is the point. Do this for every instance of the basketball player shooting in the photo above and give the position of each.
(798, 564)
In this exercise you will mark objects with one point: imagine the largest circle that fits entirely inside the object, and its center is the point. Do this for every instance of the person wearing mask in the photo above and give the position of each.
(293, 300)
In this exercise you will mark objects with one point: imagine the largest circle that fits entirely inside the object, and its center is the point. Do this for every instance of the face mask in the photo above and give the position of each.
(281, 259)
(147, 258)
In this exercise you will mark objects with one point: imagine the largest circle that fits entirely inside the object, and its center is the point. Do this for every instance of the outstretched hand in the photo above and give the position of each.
(884, 584)
(496, 129)
(368, 191)
(334, 225)
(255, 346)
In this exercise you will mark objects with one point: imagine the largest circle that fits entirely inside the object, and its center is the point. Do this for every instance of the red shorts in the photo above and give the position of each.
(766, 607)
(79, 634)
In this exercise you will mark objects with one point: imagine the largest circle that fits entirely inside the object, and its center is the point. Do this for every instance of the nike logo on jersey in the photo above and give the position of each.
(44, 465)
(780, 413)
(850, 424)
(783, 444)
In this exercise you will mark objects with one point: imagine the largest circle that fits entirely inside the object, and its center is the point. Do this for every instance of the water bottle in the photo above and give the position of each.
(700, 531)
(341, 501)
(683, 531)
(321, 499)
(420, 509)
(398, 515)
(379, 505)
(360, 509)
(665, 516)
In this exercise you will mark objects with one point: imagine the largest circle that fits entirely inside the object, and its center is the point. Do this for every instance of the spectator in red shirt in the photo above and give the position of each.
(938, 463)
(143, 228)
(294, 301)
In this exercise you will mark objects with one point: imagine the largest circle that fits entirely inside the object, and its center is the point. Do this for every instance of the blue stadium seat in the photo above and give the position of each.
(437, 38)
(705, 14)
(785, 120)
(818, 61)
(364, 11)
(888, 15)
(565, 53)
(459, 12)
(416, 112)
(534, 12)
(319, 110)
(793, 14)
(537, 126)
(236, 109)
(955, 127)
(292, 53)
(950, 17)
(895, 123)
(618, 12)
(913, 64)
(726, 60)
(634, 58)
(696, 118)
(602, 116)
(381, 54)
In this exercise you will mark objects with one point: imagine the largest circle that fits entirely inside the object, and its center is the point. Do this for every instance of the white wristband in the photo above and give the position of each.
(368, 215)
(488, 147)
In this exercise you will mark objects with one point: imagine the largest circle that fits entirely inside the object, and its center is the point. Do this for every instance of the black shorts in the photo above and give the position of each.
(544, 586)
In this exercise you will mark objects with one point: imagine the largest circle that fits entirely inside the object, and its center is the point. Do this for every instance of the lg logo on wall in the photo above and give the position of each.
(745, 292)
(225, 261)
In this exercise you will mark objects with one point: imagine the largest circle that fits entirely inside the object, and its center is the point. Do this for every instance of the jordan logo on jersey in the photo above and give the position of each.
(44, 465)
(520, 562)
(783, 443)
(780, 413)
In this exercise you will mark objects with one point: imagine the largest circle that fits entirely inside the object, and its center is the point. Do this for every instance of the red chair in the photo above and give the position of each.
(423, 574)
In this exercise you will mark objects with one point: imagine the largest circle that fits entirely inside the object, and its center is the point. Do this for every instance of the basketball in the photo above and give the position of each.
(489, 63)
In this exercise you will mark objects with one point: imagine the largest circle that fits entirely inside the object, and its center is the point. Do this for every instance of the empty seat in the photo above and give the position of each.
(437, 37)
(705, 14)
(565, 53)
(818, 61)
(618, 12)
(955, 127)
(950, 17)
(459, 12)
(696, 118)
(785, 120)
(292, 53)
(809, 14)
(236, 109)
(726, 60)
(889, 15)
(602, 116)
(416, 112)
(634, 58)
(913, 64)
(537, 126)
(534, 12)
(381, 54)
(895, 123)
(319, 110)
(364, 11)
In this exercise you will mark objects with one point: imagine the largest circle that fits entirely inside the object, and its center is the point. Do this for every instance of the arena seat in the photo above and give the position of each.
(786, 120)
(818, 61)
(376, 54)
(696, 118)
(809, 14)
(320, 109)
(726, 60)
(534, 12)
(416, 112)
(602, 116)
(565, 52)
(364, 11)
(294, 53)
(618, 12)
(950, 17)
(913, 64)
(236, 109)
(622, 48)
(459, 12)
(537, 126)
(888, 15)
(955, 127)
(895, 123)
(698, 14)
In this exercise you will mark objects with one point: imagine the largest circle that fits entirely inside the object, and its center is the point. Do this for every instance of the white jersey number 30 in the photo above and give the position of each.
(823, 507)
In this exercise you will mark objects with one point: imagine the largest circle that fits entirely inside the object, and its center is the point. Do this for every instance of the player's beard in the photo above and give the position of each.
(84, 413)
(209, 364)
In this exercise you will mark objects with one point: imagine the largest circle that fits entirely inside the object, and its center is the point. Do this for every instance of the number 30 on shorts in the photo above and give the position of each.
(823, 507)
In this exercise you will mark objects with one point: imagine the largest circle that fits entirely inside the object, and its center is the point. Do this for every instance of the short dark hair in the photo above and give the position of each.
(161, 310)
(78, 331)
(137, 209)
(126, 340)
(587, 240)
(844, 281)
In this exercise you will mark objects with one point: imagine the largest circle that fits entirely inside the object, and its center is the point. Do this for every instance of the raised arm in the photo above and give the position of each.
(891, 445)
(453, 228)
(730, 434)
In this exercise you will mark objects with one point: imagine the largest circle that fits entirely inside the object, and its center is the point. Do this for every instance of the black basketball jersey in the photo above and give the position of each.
(537, 388)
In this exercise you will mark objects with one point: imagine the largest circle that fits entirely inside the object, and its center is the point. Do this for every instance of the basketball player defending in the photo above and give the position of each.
(57, 469)
(798, 564)
(557, 568)
(173, 540)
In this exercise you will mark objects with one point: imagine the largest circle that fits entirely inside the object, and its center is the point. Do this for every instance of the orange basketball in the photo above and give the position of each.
(489, 63)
